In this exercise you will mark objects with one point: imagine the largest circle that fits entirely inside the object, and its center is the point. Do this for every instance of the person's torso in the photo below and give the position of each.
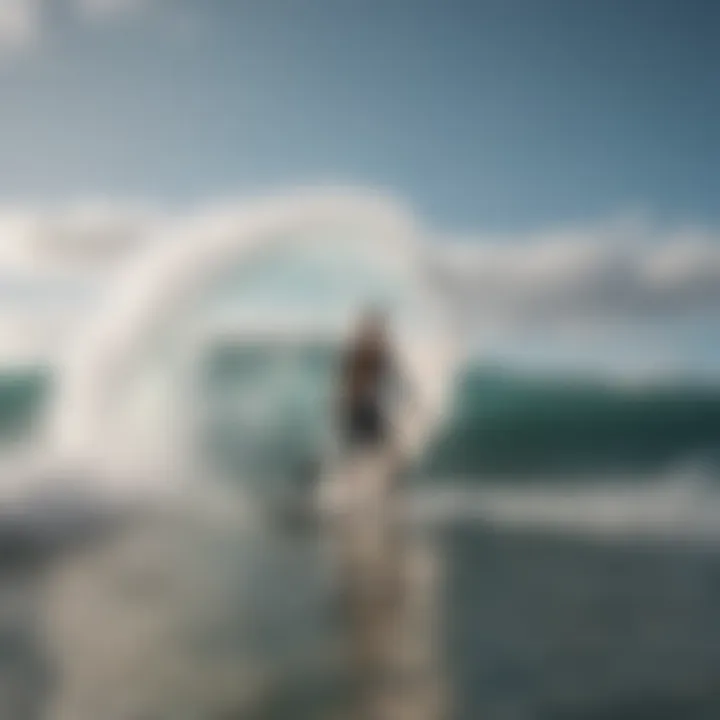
(365, 378)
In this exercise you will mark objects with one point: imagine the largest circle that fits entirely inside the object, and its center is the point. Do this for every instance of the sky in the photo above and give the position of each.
(550, 123)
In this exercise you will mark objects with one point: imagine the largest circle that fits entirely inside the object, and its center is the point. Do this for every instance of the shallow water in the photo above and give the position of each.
(185, 615)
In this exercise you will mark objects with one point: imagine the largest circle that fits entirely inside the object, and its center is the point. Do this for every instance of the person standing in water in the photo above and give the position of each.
(367, 370)
(374, 553)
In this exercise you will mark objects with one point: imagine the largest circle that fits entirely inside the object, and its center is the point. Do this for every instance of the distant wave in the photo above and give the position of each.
(509, 424)
(502, 424)
(23, 396)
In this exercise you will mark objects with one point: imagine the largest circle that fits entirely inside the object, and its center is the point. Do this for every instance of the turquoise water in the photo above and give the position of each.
(502, 422)
(23, 396)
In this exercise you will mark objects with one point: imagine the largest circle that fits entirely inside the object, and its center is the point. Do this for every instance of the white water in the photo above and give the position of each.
(125, 403)
(675, 507)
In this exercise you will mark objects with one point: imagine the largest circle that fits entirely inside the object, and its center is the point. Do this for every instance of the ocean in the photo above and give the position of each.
(574, 525)
(504, 423)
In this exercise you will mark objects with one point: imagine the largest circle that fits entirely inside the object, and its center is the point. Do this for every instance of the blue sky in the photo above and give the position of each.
(492, 114)
(559, 123)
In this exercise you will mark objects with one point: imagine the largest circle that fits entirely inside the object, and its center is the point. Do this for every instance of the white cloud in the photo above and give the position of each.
(20, 22)
(586, 276)
(582, 280)
(23, 22)
(80, 237)
(54, 264)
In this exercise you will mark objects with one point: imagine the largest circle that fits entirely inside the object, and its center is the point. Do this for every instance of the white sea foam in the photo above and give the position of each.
(125, 402)
(672, 507)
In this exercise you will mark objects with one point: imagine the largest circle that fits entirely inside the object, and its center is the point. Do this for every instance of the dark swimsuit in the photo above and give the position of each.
(364, 421)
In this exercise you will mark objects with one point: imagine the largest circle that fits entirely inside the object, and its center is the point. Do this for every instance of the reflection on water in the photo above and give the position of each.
(24, 670)
(187, 615)
(388, 573)
(193, 613)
